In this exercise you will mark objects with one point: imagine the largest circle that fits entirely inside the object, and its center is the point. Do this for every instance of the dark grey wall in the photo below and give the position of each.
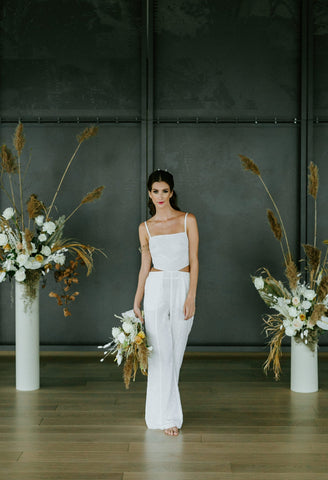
(186, 85)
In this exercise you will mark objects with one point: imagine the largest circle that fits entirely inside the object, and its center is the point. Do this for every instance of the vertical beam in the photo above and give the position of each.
(147, 100)
(306, 138)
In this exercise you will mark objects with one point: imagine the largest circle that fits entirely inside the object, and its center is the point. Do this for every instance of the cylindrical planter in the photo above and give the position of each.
(27, 338)
(304, 368)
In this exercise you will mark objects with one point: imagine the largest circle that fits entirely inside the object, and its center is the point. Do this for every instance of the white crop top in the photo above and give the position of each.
(170, 252)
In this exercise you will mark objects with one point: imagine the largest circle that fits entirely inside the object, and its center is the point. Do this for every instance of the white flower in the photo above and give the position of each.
(20, 275)
(292, 312)
(59, 258)
(39, 220)
(42, 237)
(295, 301)
(119, 358)
(8, 213)
(45, 250)
(2, 276)
(32, 264)
(115, 332)
(127, 327)
(3, 239)
(297, 323)
(309, 294)
(259, 283)
(323, 323)
(306, 305)
(34, 250)
(9, 266)
(49, 227)
(129, 315)
(21, 259)
(121, 337)
(290, 331)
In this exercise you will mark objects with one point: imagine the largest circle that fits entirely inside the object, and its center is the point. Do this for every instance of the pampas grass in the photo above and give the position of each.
(291, 273)
(34, 206)
(251, 166)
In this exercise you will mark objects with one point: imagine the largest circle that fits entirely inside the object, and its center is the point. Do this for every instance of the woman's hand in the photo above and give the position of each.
(189, 308)
(137, 313)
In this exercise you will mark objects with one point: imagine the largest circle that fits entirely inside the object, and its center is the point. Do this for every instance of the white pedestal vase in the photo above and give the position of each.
(304, 368)
(27, 338)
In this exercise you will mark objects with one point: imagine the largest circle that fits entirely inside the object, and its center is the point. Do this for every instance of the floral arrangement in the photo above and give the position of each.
(31, 240)
(302, 306)
(129, 345)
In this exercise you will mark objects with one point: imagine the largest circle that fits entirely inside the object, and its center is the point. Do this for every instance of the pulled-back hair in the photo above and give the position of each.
(161, 176)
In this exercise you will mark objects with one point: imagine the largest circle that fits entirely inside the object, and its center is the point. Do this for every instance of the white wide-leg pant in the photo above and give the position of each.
(167, 332)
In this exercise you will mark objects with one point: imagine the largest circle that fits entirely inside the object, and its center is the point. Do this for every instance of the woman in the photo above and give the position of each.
(168, 279)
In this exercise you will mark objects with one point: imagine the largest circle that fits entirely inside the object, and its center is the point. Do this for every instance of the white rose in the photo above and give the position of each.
(21, 259)
(259, 283)
(20, 275)
(306, 305)
(292, 312)
(121, 337)
(3, 239)
(295, 301)
(297, 323)
(49, 227)
(2, 276)
(309, 294)
(46, 250)
(39, 220)
(127, 327)
(42, 237)
(323, 323)
(115, 332)
(8, 213)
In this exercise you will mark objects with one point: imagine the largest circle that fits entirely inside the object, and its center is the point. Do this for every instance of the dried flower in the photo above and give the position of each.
(291, 273)
(248, 164)
(275, 225)
(313, 180)
(127, 370)
(318, 311)
(313, 254)
(94, 195)
(34, 206)
(28, 239)
(323, 288)
(87, 133)
(8, 160)
(19, 139)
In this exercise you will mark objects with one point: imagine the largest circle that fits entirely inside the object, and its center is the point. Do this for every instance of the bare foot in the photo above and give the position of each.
(173, 431)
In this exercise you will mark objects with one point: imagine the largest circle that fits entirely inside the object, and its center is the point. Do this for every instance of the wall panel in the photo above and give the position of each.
(230, 204)
(110, 224)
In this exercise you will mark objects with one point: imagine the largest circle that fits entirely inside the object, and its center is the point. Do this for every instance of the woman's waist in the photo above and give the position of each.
(184, 270)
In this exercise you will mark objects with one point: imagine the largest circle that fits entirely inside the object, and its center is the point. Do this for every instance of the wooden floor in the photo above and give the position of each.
(238, 425)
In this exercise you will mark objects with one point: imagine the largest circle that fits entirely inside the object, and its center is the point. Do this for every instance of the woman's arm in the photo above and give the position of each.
(192, 231)
(144, 270)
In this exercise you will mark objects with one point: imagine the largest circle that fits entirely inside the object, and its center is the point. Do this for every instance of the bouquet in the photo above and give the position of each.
(302, 305)
(31, 240)
(129, 345)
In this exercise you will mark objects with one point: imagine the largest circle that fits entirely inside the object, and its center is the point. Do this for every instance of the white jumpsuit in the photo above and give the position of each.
(167, 330)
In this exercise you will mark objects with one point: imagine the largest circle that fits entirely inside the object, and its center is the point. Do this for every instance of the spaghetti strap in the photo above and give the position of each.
(185, 222)
(147, 229)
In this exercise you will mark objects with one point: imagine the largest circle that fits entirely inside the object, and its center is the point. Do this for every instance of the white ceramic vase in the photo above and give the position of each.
(304, 368)
(27, 339)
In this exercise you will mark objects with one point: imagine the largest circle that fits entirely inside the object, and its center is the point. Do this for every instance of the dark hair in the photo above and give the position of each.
(162, 176)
